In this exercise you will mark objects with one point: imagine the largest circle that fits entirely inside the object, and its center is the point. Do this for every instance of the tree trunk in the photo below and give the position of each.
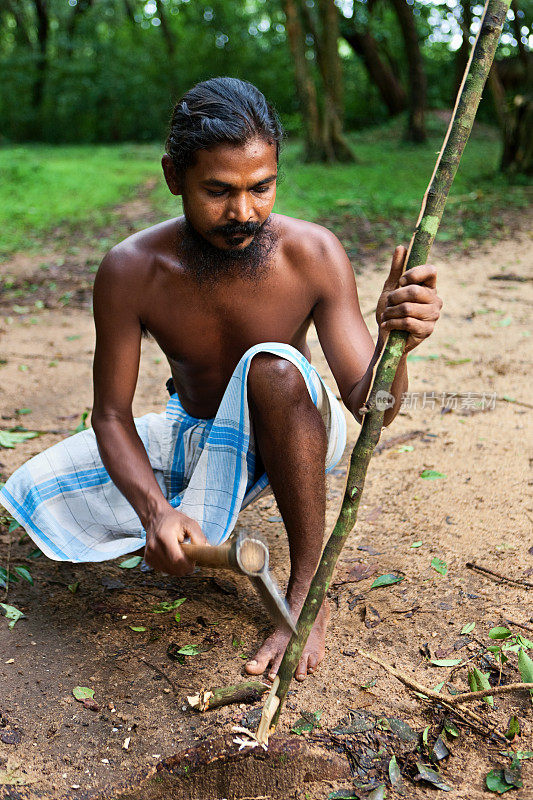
(416, 129)
(331, 72)
(41, 12)
(170, 43)
(461, 59)
(391, 91)
(515, 120)
(305, 86)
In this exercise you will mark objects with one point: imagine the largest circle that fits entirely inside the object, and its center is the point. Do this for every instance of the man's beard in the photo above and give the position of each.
(210, 264)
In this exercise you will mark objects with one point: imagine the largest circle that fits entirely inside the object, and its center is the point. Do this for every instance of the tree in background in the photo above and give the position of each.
(357, 32)
(417, 85)
(319, 82)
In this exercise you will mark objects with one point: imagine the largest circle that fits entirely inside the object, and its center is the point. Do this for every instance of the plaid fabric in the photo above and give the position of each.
(70, 507)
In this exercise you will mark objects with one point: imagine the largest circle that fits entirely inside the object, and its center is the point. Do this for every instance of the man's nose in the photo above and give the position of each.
(240, 208)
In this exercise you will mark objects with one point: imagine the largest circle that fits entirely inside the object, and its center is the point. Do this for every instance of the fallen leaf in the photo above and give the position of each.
(439, 750)
(482, 682)
(343, 794)
(451, 728)
(417, 544)
(13, 614)
(137, 628)
(496, 782)
(525, 667)
(432, 474)
(307, 722)
(73, 587)
(189, 650)
(499, 633)
(130, 563)
(439, 565)
(361, 571)
(165, 607)
(445, 662)
(83, 693)
(387, 580)
(468, 628)
(9, 439)
(433, 777)
(395, 776)
(379, 793)
(513, 728)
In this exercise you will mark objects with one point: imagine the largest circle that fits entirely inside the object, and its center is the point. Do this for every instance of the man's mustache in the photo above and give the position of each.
(235, 229)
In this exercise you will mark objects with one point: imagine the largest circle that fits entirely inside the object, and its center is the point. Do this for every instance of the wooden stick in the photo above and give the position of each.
(468, 697)
(485, 571)
(246, 692)
(426, 228)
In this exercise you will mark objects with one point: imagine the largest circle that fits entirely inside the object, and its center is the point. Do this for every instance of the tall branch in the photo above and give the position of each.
(427, 225)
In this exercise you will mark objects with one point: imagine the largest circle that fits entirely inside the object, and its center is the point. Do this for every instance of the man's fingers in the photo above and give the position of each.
(424, 311)
(195, 533)
(424, 274)
(168, 557)
(413, 293)
(420, 328)
(398, 260)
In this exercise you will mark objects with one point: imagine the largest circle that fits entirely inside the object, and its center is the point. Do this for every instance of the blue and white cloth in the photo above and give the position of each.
(68, 504)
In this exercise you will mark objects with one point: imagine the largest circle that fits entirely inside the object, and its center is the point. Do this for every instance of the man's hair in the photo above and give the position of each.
(220, 111)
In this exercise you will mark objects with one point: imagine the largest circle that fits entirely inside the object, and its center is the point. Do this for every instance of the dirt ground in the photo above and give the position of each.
(481, 511)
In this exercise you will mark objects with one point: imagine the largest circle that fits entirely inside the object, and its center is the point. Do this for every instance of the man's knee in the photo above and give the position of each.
(274, 381)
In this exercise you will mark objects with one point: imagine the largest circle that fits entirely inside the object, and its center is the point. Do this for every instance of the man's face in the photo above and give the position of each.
(229, 192)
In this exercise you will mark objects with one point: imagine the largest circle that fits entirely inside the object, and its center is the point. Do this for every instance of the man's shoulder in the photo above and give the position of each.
(312, 247)
(306, 237)
(138, 253)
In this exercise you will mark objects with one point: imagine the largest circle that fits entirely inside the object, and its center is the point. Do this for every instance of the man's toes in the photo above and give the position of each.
(275, 666)
(312, 663)
(257, 665)
(301, 672)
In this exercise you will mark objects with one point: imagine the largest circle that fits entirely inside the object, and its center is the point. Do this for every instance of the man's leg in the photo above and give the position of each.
(291, 439)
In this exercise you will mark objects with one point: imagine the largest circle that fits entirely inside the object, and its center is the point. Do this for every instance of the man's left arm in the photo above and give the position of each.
(407, 302)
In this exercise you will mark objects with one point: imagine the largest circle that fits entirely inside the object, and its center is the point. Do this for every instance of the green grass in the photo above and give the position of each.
(46, 188)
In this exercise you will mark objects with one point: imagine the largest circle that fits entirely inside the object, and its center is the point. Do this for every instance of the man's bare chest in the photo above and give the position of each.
(204, 329)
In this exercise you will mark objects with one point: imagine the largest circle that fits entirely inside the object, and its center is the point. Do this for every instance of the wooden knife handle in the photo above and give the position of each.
(208, 555)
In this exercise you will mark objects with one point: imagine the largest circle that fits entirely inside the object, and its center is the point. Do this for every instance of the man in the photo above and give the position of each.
(228, 291)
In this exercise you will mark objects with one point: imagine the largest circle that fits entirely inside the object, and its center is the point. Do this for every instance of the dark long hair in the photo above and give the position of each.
(219, 111)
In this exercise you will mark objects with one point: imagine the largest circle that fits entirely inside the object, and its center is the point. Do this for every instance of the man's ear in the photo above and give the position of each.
(174, 182)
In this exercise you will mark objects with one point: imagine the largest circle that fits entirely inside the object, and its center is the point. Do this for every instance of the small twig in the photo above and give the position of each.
(485, 571)
(400, 439)
(468, 697)
(470, 717)
(165, 676)
(510, 621)
(514, 402)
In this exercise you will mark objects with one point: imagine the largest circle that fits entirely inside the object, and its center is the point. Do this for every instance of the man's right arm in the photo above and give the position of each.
(118, 291)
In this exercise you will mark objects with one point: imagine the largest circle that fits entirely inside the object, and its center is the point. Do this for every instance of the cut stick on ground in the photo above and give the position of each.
(498, 576)
(427, 225)
(246, 692)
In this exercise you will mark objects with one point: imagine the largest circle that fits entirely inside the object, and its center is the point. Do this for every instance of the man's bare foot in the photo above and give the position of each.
(271, 652)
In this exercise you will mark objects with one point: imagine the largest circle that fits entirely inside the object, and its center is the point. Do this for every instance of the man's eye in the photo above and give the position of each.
(213, 193)
(261, 189)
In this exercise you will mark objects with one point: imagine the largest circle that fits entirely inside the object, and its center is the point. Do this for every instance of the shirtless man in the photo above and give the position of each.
(207, 286)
